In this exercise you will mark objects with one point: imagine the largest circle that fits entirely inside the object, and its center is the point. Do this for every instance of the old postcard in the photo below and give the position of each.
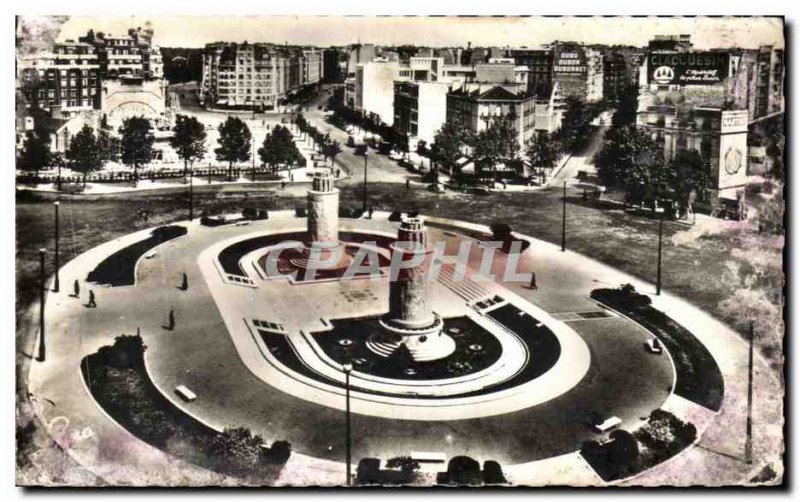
(399, 251)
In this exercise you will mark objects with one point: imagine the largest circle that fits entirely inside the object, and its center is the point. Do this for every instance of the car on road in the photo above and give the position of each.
(396, 155)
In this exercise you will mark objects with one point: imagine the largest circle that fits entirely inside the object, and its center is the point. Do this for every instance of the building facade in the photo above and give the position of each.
(420, 108)
(256, 76)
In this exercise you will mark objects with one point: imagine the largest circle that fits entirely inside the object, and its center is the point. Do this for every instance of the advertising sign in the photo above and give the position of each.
(688, 68)
(733, 149)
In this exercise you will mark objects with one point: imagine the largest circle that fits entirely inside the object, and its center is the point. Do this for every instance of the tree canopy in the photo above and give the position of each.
(136, 142)
(83, 155)
(234, 142)
(36, 153)
(188, 140)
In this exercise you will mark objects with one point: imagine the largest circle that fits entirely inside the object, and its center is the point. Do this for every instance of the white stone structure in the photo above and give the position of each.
(410, 320)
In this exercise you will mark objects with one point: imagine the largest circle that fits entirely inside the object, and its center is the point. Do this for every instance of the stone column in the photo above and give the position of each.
(323, 211)
(410, 320)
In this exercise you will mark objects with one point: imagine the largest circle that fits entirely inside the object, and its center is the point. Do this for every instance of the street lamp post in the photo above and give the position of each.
(364, 205)
(564, 219)
(41, 355)
(660, 210)
(191, 194)
(56, 205)
(347, 369)
(748, 445)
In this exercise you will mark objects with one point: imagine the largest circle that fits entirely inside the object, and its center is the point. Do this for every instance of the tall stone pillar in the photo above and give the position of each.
(322, 236)
(323, 210)
(410, 320)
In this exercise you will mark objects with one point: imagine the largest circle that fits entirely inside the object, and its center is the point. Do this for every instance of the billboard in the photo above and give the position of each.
(688, 68)
(733, 149)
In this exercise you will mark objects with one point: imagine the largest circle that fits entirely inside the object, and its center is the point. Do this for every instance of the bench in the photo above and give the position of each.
(185, 393)
(151, 254)
(607, 424)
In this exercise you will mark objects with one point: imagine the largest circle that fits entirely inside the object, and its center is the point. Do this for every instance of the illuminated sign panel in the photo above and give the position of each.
(688, 68)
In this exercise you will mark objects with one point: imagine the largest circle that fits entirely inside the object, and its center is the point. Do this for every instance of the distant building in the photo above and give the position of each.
(360, 54)
(374, 89)
(256, 76)
(71, 78)
(478, 104)
(540, 68)
(332, 66)
(420, 108)
(615, 76)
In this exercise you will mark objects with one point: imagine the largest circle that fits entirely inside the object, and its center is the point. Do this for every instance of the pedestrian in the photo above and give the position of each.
(283, 184)
(171, 319)
(76, 288)
(533, 281)
(185, 282)
(92, 303)
(585, 196)
(370, 212)
(408, 183)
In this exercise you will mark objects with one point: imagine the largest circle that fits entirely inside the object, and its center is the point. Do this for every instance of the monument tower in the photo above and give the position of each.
(322, 235)
(410, 320)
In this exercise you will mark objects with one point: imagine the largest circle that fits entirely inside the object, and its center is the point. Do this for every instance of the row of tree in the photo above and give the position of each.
(329, 148)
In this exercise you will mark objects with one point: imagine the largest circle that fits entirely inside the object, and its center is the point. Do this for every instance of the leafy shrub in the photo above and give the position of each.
(463, 470)
(250, 213)
(493, 473)
(278, 453)
(368, 471)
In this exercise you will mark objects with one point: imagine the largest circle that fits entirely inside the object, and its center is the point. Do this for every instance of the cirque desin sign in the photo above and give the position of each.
(688, 68)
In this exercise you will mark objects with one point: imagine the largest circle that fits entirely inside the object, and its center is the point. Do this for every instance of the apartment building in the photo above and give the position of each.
(256, 76)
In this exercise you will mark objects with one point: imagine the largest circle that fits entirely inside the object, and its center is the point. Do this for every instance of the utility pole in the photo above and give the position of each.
(564, 219)
(348, 457)
(748, 445)
(191, 194)
(41, 355)
(364, 205)
(660, 240)
(56, 205)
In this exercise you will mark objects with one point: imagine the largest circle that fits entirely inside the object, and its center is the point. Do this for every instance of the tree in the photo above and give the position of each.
(238, 450)
(331, 150)
(234, 143)
(688, 175)
(83, 156)
(136, 143)
(448, 145)
(107, 145)
(188, 140)
(544, 151)
(497, 143)
(406, 464)
(575, 124)
(36, 154)
(631, 159)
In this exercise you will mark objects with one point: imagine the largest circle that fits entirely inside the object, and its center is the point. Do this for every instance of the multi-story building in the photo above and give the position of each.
(479, 104)
(332, 65)
(540, 68)
(71, 77)
(360, 54)
(615, 78)
(374, 89)
(256, 75)
(66, 78)
(420, 108)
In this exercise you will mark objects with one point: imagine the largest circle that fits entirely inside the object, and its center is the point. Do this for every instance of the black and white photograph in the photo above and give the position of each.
(359, 251)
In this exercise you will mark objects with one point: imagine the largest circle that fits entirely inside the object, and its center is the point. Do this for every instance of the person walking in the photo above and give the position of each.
(408, 184)
(185, 282)
(370, 212)
(76, 289)
(533, 281)
(92, 304)
(171, 321)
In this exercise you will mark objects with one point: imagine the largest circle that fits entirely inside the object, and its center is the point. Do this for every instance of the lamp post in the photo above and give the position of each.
(347, 368)
(564, 219)
(748, 445)
(42, 253)
(56, 205)
(366, 153)
(659, 210)
(191, 194)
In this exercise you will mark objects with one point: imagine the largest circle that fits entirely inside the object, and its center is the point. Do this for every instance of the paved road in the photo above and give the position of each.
(581, 161)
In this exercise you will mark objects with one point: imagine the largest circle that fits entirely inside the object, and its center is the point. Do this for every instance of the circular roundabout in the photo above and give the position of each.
(449, 354)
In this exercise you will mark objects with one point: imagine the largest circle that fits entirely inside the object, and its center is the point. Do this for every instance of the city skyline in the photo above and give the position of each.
(322, 31)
